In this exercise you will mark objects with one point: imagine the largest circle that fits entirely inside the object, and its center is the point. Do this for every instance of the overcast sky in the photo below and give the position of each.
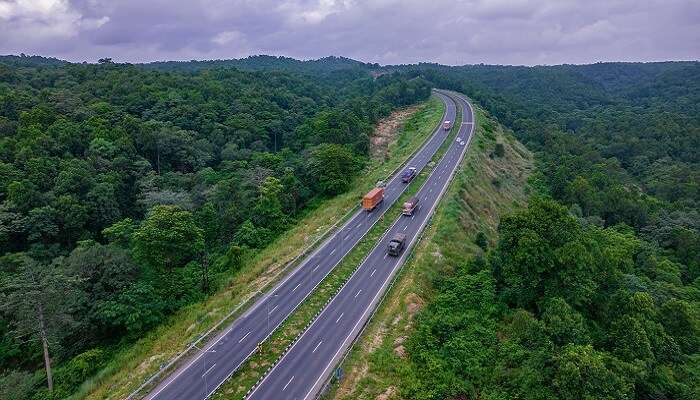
(384, 31)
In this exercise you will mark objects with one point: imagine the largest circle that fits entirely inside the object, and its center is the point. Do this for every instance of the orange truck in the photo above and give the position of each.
(372, 199)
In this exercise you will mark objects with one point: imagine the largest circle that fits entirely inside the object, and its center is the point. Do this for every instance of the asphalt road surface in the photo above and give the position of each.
(202, 374)
(303, 370)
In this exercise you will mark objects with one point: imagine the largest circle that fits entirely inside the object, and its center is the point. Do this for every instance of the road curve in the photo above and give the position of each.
(302, 371)
(202, 374)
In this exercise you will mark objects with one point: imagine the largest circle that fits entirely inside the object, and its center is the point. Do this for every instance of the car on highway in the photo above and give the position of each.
(408, 175)
(396, 244)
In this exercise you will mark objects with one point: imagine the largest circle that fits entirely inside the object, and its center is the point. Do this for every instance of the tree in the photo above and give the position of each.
(268, 209)
(168, 238)
(332, 167)
(584, 373)
(482, 241)
(39, 297)
(499, 150)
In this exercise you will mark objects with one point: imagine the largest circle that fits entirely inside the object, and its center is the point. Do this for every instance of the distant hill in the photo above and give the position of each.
(23, 60)
(266, 63)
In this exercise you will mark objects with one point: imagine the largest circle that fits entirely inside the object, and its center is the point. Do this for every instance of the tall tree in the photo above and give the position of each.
(40, 298)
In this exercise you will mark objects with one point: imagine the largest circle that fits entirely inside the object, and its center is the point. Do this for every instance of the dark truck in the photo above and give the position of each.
(408, 175)
(396, 244)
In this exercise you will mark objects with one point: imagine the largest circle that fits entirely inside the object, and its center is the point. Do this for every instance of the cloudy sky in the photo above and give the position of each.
(383, 31)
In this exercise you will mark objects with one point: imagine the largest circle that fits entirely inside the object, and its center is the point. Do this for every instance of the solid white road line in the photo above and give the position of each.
(207, 371)
(341, 316)
(246, 335)
(319, 343)
(290, 381)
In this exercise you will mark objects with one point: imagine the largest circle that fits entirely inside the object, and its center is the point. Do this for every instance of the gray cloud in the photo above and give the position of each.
(384, 31)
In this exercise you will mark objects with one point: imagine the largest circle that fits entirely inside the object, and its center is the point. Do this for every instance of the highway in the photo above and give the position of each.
(216, 361)
(303, 370)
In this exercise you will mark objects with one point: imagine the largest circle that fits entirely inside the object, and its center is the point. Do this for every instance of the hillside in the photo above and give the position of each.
(139, 204)
(591, 290)
(129, 193)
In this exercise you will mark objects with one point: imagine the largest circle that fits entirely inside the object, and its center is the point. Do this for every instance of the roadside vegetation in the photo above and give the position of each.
(262, 271)
(591, 291)
(237, 386)
(488, 184)
(130, 195)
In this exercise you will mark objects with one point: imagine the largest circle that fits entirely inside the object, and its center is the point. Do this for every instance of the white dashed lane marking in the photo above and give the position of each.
(315, 348)
(290, 381)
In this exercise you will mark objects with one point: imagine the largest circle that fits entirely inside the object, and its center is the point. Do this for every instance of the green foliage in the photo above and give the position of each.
(571, 313)
(333, 168)
(481, 241)
(133, 177)
(583, 373)
(168, 238)
(499, 150)
(597, 279)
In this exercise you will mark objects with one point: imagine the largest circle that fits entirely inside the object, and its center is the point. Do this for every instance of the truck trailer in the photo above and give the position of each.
(410, 206)
(372, 199)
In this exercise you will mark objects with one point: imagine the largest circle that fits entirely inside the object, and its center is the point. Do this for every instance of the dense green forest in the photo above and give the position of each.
(593, 291)
(129, 191)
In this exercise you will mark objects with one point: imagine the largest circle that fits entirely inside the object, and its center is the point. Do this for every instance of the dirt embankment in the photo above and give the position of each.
(386, 131)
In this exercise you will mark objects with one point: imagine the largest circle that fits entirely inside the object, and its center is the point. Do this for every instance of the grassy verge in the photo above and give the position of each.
(484, 188)
(256, 366)
(132, 365)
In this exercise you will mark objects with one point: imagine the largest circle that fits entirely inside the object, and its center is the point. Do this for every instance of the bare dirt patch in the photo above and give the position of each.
(400, 351)
(386, 132)
(413, 304)
(377, 339)
(388, 393)
(347, 386)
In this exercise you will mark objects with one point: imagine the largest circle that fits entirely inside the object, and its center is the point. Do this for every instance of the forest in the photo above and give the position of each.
(129, 191)
(593, 290)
